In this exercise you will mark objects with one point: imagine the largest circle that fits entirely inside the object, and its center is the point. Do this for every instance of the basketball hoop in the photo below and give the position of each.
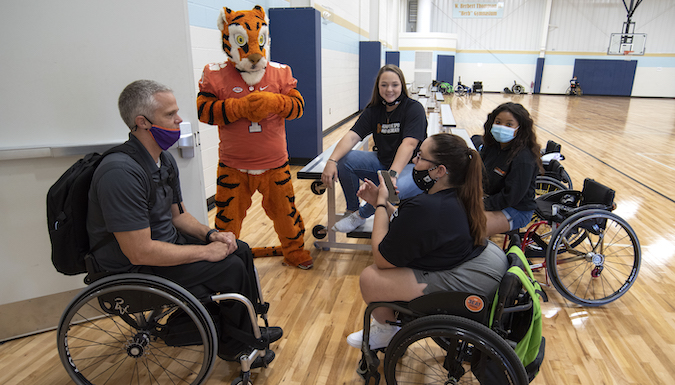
(627, 52)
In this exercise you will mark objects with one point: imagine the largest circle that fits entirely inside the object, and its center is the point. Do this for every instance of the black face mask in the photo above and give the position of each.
(422, 179)
(395, 102)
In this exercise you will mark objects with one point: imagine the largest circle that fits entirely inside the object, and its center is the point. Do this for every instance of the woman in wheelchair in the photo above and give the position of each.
(436, 241)
(512, 161)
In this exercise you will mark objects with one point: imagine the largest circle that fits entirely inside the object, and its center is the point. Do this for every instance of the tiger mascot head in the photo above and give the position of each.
(246, 41)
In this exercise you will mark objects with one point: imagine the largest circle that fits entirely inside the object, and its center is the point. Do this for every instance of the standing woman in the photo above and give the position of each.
(436, 240)
(512, 161)
(398, 125)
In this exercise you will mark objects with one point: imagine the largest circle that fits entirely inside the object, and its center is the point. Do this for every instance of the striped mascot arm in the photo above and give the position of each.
(213, 111)
(294, 105)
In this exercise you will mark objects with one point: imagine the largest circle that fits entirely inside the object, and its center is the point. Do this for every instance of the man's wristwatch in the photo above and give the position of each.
(393, 173)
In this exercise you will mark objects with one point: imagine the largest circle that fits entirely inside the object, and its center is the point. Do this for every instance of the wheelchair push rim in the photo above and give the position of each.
(440, 349)
(594, 258)
(546, 184)
(103, 338)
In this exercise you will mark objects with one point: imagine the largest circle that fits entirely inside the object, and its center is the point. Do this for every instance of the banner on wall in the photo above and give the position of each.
(477, 9)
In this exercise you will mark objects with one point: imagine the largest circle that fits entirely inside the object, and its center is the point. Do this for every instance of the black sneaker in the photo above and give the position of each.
(273, 333)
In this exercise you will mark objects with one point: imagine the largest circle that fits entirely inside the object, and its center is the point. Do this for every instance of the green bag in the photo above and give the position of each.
(524, 327)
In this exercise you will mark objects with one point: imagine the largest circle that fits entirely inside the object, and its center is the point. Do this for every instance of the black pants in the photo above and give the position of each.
(234, 274)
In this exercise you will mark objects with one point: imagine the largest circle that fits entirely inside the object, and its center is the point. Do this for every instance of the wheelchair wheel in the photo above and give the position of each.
(594, 257)
(460, 90)
(546, 184)
(518, 89)
(136, 328)
(444, 349)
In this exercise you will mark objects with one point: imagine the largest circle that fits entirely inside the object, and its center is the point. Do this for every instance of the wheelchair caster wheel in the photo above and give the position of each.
(319, 231)
(240, 381)
(362, 369)
(318, 187)
(366, 372)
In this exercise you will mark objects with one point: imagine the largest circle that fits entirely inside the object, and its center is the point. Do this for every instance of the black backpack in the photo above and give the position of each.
(67, 203)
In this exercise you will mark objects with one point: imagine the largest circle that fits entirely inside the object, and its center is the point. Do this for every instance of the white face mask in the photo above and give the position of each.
(503, 134)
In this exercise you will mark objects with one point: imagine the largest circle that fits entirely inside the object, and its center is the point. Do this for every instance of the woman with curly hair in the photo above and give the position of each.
(512, 161)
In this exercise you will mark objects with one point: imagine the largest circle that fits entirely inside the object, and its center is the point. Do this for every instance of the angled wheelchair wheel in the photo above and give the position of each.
(594, 257)
(546, 184)
(444, 349)
(518, 89)
(136, 329)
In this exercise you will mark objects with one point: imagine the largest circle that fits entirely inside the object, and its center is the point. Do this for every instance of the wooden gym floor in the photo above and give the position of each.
(625, 143)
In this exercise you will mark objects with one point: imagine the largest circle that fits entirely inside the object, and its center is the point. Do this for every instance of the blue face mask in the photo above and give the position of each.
(503, 134)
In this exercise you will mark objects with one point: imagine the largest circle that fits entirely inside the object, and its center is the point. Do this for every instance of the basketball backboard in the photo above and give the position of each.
(627, 44)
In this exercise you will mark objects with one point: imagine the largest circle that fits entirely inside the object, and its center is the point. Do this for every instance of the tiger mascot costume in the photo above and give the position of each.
(249, 97)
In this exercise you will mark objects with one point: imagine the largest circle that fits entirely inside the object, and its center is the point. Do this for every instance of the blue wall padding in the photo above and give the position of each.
(392, 57)
(296, 40)
(538, 75)
(605, 77)
(445, 68)
(370, 53)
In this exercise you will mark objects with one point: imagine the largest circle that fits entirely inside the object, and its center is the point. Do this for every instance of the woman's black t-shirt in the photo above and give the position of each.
(389, 129)
(430, 232)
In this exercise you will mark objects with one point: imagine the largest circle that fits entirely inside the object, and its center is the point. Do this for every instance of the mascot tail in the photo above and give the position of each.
(274, 251)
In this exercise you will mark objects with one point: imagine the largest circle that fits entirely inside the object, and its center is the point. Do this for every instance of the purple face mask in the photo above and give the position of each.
(165, 137)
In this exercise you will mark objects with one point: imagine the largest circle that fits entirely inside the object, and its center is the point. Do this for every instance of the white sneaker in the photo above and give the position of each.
(380, 336)
(350, 223)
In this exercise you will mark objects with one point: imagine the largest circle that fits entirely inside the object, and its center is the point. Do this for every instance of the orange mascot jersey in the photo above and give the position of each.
(249, 98)
(268, 135)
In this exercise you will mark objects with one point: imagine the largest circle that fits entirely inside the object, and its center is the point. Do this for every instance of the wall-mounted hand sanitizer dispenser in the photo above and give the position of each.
(186, 143)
